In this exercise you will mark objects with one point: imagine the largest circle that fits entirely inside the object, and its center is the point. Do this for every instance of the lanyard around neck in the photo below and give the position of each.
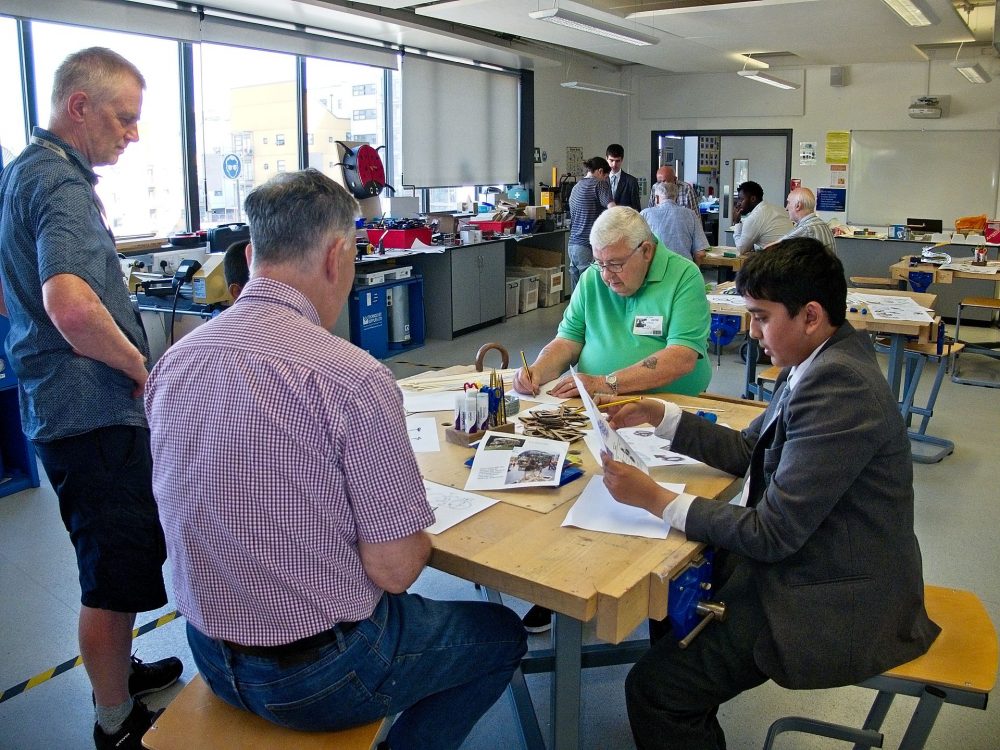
(54, 148)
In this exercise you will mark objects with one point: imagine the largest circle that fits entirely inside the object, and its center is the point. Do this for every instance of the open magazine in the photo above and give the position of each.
(611, 441)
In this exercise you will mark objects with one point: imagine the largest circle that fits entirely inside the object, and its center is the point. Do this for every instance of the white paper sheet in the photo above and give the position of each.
(733, 300)
(652, 450)
(504, 462)
(423, 434)
(611, 441)
(542, 397)
(597, 510)
(452, 506)
(440, 401)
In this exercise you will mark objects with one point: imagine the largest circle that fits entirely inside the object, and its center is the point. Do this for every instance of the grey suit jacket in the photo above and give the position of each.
(627, 193)
(828, 527)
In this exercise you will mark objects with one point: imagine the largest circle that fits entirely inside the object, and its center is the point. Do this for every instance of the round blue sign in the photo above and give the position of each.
(232, 166)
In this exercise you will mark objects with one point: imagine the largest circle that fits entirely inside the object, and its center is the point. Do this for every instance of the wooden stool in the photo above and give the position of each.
(986, 350)
(960, 667)
(766, 376)
(198, 720)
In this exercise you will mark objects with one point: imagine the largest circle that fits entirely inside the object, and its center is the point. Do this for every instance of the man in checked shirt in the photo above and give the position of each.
(295, 531)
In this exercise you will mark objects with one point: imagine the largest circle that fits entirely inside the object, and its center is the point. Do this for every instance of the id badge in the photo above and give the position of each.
(648, 325)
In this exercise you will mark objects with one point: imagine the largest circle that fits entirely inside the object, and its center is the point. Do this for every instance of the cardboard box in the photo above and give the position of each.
(536, 212)
(527, 255)
(447, 222)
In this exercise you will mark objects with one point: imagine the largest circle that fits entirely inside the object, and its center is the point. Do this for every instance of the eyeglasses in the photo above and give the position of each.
(616, 266)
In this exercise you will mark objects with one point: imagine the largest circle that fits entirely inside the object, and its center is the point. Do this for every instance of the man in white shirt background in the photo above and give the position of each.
(757, 224)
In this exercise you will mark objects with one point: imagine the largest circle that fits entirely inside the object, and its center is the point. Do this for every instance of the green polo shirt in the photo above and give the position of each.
(673, 295)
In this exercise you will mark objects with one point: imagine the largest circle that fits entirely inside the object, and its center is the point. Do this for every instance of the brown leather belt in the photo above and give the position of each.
(295, 648)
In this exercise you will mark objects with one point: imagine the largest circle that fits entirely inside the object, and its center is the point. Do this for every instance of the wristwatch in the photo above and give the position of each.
(612, 383)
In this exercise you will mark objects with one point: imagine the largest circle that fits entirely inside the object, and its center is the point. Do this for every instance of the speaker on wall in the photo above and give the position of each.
(838, 75)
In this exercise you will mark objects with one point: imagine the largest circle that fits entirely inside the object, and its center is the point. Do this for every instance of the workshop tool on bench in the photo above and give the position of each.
(688, 600)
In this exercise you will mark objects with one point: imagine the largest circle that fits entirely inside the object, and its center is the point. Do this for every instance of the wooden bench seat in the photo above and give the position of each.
(198, 720)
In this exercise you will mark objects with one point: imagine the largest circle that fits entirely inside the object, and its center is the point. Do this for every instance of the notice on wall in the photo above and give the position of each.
(574, 161)
(838, 175)
(831, 199)
(807, 153)
(838, 147)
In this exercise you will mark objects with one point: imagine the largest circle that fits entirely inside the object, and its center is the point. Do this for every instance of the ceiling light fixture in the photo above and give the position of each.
(594, 87)
(973, 71)
(913, 12)
(581, 22)
(762, 77)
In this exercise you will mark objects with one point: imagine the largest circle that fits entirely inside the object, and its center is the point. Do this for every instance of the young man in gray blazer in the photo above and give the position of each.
(818, 562)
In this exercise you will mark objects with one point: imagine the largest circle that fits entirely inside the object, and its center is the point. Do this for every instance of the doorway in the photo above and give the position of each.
(716, 161)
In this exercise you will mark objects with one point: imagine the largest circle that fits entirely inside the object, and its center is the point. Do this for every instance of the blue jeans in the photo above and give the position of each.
(440, 665)
(580, 258)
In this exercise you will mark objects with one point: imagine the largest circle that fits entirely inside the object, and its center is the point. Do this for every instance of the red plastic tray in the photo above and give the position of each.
(400, 239)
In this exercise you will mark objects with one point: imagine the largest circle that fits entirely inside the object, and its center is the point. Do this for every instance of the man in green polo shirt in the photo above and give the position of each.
(638, 321)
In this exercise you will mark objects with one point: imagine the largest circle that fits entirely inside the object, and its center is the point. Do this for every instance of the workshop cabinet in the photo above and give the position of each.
(464, 288)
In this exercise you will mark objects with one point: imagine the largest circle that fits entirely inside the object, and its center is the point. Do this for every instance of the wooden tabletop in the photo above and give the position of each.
(715, 257)
(901, 272)
(519, 547)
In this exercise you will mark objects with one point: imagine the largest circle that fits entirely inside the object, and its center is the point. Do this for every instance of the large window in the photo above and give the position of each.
(243, 98)
(335, 93)
(12, 131)
(155, 161)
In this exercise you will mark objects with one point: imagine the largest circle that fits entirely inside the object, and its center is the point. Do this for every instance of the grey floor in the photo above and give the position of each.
(957, 523)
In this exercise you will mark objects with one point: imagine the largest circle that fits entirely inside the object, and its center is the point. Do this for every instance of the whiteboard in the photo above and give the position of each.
(928, 174)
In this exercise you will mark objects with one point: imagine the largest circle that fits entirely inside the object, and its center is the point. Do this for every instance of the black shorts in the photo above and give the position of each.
(104, 480)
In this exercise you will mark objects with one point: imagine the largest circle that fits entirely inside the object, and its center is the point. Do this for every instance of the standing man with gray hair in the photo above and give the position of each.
(79, 352)
(295, 531)
(678, 228)
(801, 208)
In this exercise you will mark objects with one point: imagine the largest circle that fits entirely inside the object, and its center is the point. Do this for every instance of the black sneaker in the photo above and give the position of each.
(157, 675)
(129, 735)
(538, 620)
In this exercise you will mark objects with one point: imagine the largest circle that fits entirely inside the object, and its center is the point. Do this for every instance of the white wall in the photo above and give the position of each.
(568, 117)
(876, 98)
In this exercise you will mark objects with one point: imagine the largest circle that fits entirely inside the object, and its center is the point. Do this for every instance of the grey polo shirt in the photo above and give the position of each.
(50, 224)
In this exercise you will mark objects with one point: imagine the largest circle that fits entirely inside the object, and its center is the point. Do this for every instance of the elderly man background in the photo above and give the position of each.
(687, 196)
(676, 227)
(79, 352)
(290, 564)
(758, 224)
(639, 321)
(801, 207)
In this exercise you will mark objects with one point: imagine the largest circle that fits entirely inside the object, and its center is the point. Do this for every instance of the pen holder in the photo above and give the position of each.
(461, 437)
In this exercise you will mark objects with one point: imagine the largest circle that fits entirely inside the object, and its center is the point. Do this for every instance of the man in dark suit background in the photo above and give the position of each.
(818, 563)
(624, 187)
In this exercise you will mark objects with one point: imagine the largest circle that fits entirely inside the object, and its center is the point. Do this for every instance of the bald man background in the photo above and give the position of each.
(686, 195)
(801, 207)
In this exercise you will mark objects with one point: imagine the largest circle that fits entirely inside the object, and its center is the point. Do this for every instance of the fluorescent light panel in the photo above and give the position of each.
(974, 72)
(581, 22)
(594, 87)
(913, 12)
(762, 77)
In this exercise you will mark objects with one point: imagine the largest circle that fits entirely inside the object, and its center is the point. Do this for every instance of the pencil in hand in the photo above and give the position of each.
(619, 402)
(527, 371)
